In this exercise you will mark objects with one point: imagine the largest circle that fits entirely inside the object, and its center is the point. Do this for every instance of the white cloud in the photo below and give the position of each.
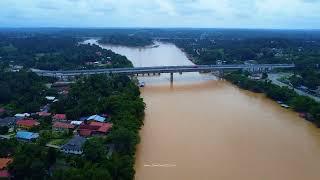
(161, 13)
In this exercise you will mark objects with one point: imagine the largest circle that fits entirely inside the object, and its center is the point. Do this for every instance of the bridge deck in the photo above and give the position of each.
(161, 69)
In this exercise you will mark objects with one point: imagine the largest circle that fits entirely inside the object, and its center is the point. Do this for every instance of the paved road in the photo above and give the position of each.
(274, 78)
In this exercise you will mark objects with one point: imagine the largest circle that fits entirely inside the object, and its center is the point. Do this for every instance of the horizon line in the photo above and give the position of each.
(132, 27)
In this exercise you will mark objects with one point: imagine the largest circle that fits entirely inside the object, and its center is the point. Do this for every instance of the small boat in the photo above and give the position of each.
(141, 84)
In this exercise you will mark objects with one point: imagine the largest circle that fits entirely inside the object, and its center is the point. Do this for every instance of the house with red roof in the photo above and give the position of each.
(27, 123)
(59, 117)
(61, 126)
(4, 162)
(94, 128)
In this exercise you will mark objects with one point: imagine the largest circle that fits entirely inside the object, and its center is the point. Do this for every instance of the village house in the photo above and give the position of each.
(74, 146)
(59, 117)
(4, 162)
(62, 127)
(96, 118)
(76, 123)
(50, 98)
(94, 128)
(255, 77)
(27, 136)
(45, 108)
(27, 123)
(43, 114)
(22, 115)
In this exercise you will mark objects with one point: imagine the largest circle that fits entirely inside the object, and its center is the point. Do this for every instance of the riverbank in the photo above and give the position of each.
(308, 108)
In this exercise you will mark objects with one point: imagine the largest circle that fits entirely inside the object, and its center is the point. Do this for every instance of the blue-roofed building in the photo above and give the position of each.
(96, 118)
(26, 136)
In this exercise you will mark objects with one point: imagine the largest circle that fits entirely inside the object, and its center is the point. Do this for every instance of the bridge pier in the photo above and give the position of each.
(171, 78)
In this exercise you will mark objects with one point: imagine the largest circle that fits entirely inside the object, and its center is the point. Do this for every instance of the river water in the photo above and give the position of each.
(207, 129)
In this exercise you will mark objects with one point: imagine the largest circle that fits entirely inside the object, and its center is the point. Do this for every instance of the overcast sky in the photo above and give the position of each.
(288, 14)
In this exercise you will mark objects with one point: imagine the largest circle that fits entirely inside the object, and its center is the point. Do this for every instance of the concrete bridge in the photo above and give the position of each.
(164, 69)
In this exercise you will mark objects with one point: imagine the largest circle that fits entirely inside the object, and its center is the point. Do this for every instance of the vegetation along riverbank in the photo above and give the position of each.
(307, 107)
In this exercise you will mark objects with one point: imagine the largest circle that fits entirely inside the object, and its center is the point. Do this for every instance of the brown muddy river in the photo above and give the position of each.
(201, 128)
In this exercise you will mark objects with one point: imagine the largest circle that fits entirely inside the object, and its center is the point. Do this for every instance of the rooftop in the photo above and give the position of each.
(8, 121)
(76, 122)
(94, 127)
(63, 125)
(27, 135)
(44, 114)
(27, 122)
(4, 174)
(4, 162)
(50, 98)
(60, 116)
(96, 118)
(22, 115)
(75, 144)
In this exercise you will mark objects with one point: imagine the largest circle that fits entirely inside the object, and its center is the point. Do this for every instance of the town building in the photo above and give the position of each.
(27, 136)
(74, 146)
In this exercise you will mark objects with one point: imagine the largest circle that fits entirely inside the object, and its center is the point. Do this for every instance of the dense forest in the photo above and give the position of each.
(22, 91)
(51, 52)
(127, 40)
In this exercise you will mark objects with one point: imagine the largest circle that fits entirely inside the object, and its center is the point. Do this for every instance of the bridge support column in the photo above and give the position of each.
(171, 78)
(221, 74)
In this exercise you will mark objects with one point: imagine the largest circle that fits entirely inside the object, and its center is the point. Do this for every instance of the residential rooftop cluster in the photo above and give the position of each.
(68, 135)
